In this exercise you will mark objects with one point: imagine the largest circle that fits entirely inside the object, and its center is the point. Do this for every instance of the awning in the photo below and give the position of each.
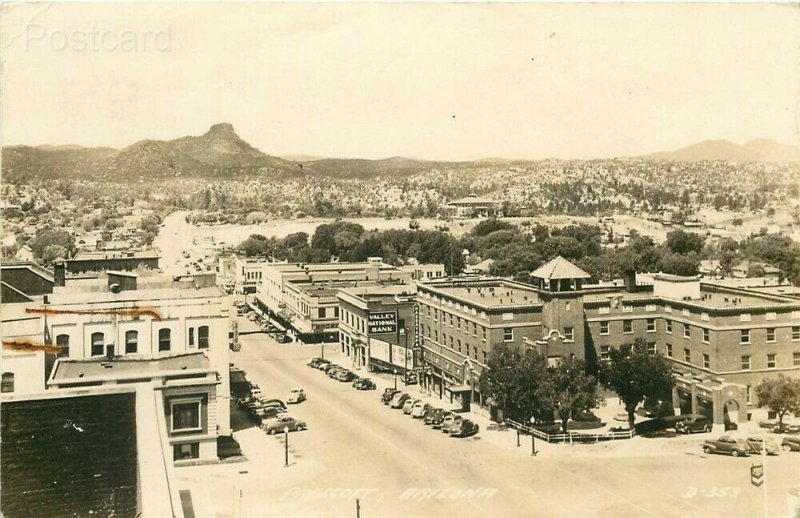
(458, 388)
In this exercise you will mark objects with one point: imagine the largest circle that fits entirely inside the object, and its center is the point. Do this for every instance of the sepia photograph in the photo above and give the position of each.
(389, 260)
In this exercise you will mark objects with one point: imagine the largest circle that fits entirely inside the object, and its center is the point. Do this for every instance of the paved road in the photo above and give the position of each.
(359, 444)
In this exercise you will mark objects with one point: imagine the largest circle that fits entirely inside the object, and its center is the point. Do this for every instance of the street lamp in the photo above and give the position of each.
(533, 437)
(395, 378)
(286, 447)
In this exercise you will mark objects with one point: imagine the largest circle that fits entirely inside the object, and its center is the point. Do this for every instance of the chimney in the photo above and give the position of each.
(60, 273)
(629, 278)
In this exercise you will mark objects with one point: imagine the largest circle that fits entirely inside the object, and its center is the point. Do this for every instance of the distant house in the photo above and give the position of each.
(87, 242)
(711, 269)
(481, 268)
(472, 206)
(743, 270)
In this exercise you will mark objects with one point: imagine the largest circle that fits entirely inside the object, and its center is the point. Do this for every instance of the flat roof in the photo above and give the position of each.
(127, 366)
(485, 292)
(711, 298)
(102, 255)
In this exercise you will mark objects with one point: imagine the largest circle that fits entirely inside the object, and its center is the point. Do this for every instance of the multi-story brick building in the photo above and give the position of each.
(721, 341)
(376, 326)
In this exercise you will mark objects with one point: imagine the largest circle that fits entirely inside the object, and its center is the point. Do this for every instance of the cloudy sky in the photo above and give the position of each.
(457, 82)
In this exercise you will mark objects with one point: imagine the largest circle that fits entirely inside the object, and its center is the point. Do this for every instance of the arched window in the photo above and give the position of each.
(164, 339)
(131, 342)
(63, 342)
(7, 384)
(202, 337)
(98, 342)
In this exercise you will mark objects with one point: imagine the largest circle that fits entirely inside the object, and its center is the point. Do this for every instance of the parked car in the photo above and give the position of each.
(333, 372)
(419, 409)
(448, 421)
(364, 384)
(273, 402)
(434, 417)
(693, 423)
(399, 399)
(296, 395)
(463, 428)
(790, 444)
(282, 338)
(786, 428)
(314, 362)
(323, 364)
(756, 443)
(409, 404)
(269, 412)
(727, 445)
(410, 378)
(278, 424)
(346, 375)
(388, 394)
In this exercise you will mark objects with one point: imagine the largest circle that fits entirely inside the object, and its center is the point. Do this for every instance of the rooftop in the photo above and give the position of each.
(559, 268)
(127, 367)
(486, 292)
(70, 456)
(711, 297)
(102, 255)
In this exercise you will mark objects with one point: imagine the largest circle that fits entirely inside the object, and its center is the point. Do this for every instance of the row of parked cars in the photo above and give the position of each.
(271, 414)
(740, 447)
(341, 374)
(437, 418)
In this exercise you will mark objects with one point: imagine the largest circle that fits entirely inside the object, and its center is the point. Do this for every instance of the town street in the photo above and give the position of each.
(397, 466)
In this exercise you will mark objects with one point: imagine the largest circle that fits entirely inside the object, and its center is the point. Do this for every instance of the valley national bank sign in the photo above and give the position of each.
(383, 322)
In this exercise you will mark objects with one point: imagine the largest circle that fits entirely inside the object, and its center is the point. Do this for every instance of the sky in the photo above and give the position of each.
(446, 81)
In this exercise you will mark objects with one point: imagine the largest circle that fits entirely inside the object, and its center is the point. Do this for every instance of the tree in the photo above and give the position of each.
(781, 395)
(636, 374)
(512, 380)
(568, 390)
(486, 227)
(50, 237)
(682, 242)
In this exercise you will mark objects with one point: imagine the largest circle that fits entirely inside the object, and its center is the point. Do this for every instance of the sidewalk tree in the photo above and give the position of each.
(568, 390)
(512, 378)
(781, 395)
(635, 374)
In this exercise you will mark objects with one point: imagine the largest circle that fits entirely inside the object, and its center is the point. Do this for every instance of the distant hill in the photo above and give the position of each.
(302, 158)
(761, 150)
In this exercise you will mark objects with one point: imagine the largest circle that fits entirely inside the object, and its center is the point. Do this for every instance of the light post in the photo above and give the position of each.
(323, 350)
(395, 378)
(533, 437)
(286, 447)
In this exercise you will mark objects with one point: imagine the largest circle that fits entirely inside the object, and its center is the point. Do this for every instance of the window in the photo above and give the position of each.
(627, 326)
(770, 334)
(603, 328)
(164, 339)
(771, 361)
(706, 361)
(7, 383)
(749, 394)
(604, 352)
(796, 359)
(336, 312)
(131, 342)
(744, 337)
(651, 325)
(483, 330)
(451, 320)
(186, 451)
(458, 342)
(484, 357)
(508, 334)
(746, 363)
(186, 416)
(651, 347)
(669, 326)
(795, 332)
(62, 341)
(686, 332)
(569, 334)
(687, 355)
(451, 342)
(669, 350)
(474, 329)
(475, 352)
(98, 341)
(320, 312)
(202, 337)
(706, 335)
(458, 323)
(435, 336)
(191, 336)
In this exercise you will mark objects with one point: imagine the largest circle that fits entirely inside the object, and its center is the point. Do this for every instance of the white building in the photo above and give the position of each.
(23, 364)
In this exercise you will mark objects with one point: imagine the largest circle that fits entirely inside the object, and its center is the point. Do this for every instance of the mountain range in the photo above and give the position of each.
(220, 152)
